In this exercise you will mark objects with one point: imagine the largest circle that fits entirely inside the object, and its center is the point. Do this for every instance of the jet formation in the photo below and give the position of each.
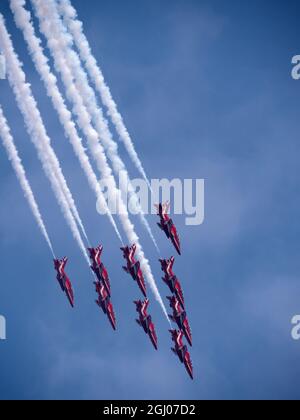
(102, 284)
(177, 304)
(133, 268)
(179, 315)
(171, 280)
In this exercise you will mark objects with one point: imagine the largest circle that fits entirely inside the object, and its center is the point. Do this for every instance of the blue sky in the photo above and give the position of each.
(205, 89)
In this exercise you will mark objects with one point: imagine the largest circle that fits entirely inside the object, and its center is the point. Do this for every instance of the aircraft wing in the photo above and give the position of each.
(179, 293)
(152, 335)
(175, 239)
(187, 331)
(69, 292)
(111, 315)
(141, 283)
(188, 364)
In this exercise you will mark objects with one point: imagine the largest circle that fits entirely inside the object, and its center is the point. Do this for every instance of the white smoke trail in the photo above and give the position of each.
(66, 191)
(101, 125)
(23, 21)
(36, 128)
(13, 156)
(75, 27)
(43, 12)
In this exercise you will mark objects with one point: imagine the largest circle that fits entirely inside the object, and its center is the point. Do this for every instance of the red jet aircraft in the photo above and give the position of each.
(134, 267)
(167, 225)
(98, 267)
(179, 316)
(181, 351)
(171, 280)
(145, 320)
(104, 302)
(63, 279)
